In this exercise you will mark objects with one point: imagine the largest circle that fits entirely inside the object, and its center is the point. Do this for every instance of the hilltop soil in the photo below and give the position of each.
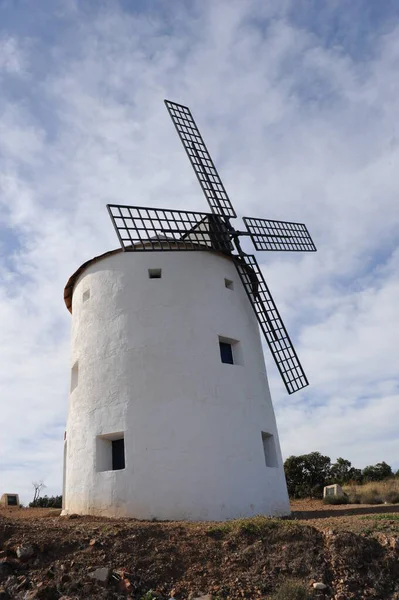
(45, 556)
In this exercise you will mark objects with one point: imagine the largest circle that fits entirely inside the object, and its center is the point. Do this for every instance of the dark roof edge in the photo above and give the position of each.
(68, 290)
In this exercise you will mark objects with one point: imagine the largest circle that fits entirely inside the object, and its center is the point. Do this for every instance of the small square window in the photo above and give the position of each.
(226, 353)
(229, 284)
(110, 452)
(230, 351)
(155, 273)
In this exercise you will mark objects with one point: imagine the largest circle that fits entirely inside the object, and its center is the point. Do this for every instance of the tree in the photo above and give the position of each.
(377, 472)
(342, 472)
(47, 502)
(307, 474)
(38, 486)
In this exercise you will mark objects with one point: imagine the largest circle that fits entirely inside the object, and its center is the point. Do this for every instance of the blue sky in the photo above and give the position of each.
(297, 101)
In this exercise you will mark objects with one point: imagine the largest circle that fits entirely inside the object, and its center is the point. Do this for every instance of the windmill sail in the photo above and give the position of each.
(140, 228)
(201, 161)
(271, 323)
(279, 235)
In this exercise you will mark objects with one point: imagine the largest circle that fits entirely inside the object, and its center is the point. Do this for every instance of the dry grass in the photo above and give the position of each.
(374, 492)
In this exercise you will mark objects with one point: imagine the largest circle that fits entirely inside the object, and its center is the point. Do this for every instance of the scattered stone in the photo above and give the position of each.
(101, 575)
(394, 543)
(93, 542)
(25, 552)
(5, 569)
(320, 586)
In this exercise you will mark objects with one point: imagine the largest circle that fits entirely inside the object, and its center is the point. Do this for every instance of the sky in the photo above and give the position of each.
(297, 102)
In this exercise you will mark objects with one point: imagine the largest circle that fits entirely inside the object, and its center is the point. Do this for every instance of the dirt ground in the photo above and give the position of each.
(354, 551)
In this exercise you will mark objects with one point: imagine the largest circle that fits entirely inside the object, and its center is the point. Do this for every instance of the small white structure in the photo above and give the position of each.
(170, 415)
(333, 491)
(9, 500)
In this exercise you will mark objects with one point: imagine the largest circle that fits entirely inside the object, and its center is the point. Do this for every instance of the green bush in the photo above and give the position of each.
(392, 497)
(47, 502)
(292, 590)
(370, 498)
(336, 500)
(354, 499)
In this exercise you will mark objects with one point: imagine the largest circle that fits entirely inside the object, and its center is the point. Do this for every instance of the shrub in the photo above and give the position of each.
(336, 500)
(392, 497)
(370, 498)
(292, 590)
(47, 502)
(354, 498)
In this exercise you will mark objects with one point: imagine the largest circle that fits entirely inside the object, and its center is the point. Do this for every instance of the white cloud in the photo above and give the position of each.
(299, 131)
(12, 56)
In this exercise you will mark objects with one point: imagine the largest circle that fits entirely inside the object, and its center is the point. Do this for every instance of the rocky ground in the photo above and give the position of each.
(354, 556)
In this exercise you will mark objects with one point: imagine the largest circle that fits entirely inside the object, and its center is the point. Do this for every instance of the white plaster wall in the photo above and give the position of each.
(149, 365)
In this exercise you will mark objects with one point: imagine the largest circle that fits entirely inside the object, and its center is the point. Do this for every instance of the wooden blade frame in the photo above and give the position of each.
(279, 235)
(140, 228)
(200, 159)
(271, 323)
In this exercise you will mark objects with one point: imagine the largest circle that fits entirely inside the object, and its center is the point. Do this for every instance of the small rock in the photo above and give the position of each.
(319, 586)
(73, 516)
(25, 552)
(394, 543)
(23, 582)
(93, 542)
(101, 575)
(6, 569)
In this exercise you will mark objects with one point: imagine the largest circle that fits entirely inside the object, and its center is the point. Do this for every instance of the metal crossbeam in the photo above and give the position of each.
(271, 323)
(279, 235)
(141, 228)
(200, 159)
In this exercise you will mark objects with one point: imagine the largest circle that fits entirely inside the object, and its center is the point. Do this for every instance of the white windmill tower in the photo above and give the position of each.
(170, 415)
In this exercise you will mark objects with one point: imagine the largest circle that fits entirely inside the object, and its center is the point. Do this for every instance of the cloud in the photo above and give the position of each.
(12, 56)
(300, 129)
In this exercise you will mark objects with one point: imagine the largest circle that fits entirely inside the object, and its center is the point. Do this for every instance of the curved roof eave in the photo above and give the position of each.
(68, 290)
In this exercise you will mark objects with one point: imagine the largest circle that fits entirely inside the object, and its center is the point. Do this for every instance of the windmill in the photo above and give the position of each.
(148, 229)
(170, 414)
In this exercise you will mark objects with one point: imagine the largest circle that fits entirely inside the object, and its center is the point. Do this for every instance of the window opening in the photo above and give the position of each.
(230, 351)
(226, 353)
(155, 273)
(12, 500)
(110, 452)
(269, 449)
(229, 284)
(118, 454)
(74, 376)
(86, 295)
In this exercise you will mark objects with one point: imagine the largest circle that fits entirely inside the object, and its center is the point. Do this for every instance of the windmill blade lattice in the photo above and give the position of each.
(200, 159)
(279, 235)
(146, 229)
(140, 228)
(271, 323)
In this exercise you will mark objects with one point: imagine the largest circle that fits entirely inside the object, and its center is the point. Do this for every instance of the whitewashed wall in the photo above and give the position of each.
(147, 363)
